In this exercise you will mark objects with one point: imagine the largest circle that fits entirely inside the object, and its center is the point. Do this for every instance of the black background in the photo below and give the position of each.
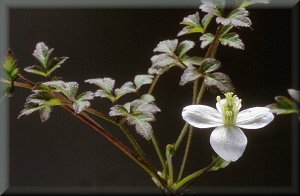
(118, 43)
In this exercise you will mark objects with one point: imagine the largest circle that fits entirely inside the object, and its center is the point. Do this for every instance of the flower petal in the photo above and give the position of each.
(228, 142)
(222, 101)
(202, 116)
(254, 118)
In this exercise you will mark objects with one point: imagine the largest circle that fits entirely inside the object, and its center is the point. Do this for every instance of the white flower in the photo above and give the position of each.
(227, 139)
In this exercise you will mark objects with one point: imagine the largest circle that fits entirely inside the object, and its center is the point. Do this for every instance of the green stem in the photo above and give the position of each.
(191, 177)
(195, 90)
(136, 146)
(181, 136)
(159, 153)
(90, 122)
(100, 115)
(134, 143)
(169, 155)
(140, 152)
(211, 52)
(186, 153)
(170, 167)
(87, 120)
(197, 96)
(201, 93)
(150, 91)
(18, 84)
(190, 136)
(126, 132)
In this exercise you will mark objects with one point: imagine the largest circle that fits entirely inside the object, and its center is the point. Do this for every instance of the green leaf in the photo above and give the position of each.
(10, 62)
(213, 7)
(42, 53)
(225, 30)
(206, 20)
(140, 80)
(295, 94)
(104, 94)
(189, 74)
(192, 20)
(14, 74)
(126, 88)
(141, 123)
(40, 101)
(138, 113)
(47, 66)
(147, 98)
(140, 106)
(237, 18)
(45, 113)
(184, 47)
(192, 23)
(232, 40)
(9, 90)
(82, 101)
(36, 70)
(190, 61)
(118, 110)
(11, 72)
(106, 84)
(206, 39)
(209, 65)
(284, 105)
(219, 163)
(54, 64)
(162, 60)
(188, 30)
(159, 62)
(219, 81)
(167, 46)
(251, 2)
(69, 89)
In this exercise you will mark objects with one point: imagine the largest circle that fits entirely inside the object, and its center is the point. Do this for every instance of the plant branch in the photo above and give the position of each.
(192, 176)
(100, 115)
(181, 136)
(159, 153)
(136, 146)
(186, 153)
(201, 93)
(190, 135)
(197, 96)
(87, 120)
(211, 52)
(18, 84)
(90, 122)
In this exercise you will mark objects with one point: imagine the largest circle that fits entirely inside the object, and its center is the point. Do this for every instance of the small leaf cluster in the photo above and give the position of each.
(194, 25)
(47, 65)
(107, 90)
(11, 72)
(44, 98)
(138, 113)
(41, 101)
(236, 18)
(171, 54)
(285, 105)
(212, 79)
(69, 90)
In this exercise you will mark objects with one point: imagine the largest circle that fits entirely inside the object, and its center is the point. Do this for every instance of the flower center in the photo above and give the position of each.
(230, 108)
